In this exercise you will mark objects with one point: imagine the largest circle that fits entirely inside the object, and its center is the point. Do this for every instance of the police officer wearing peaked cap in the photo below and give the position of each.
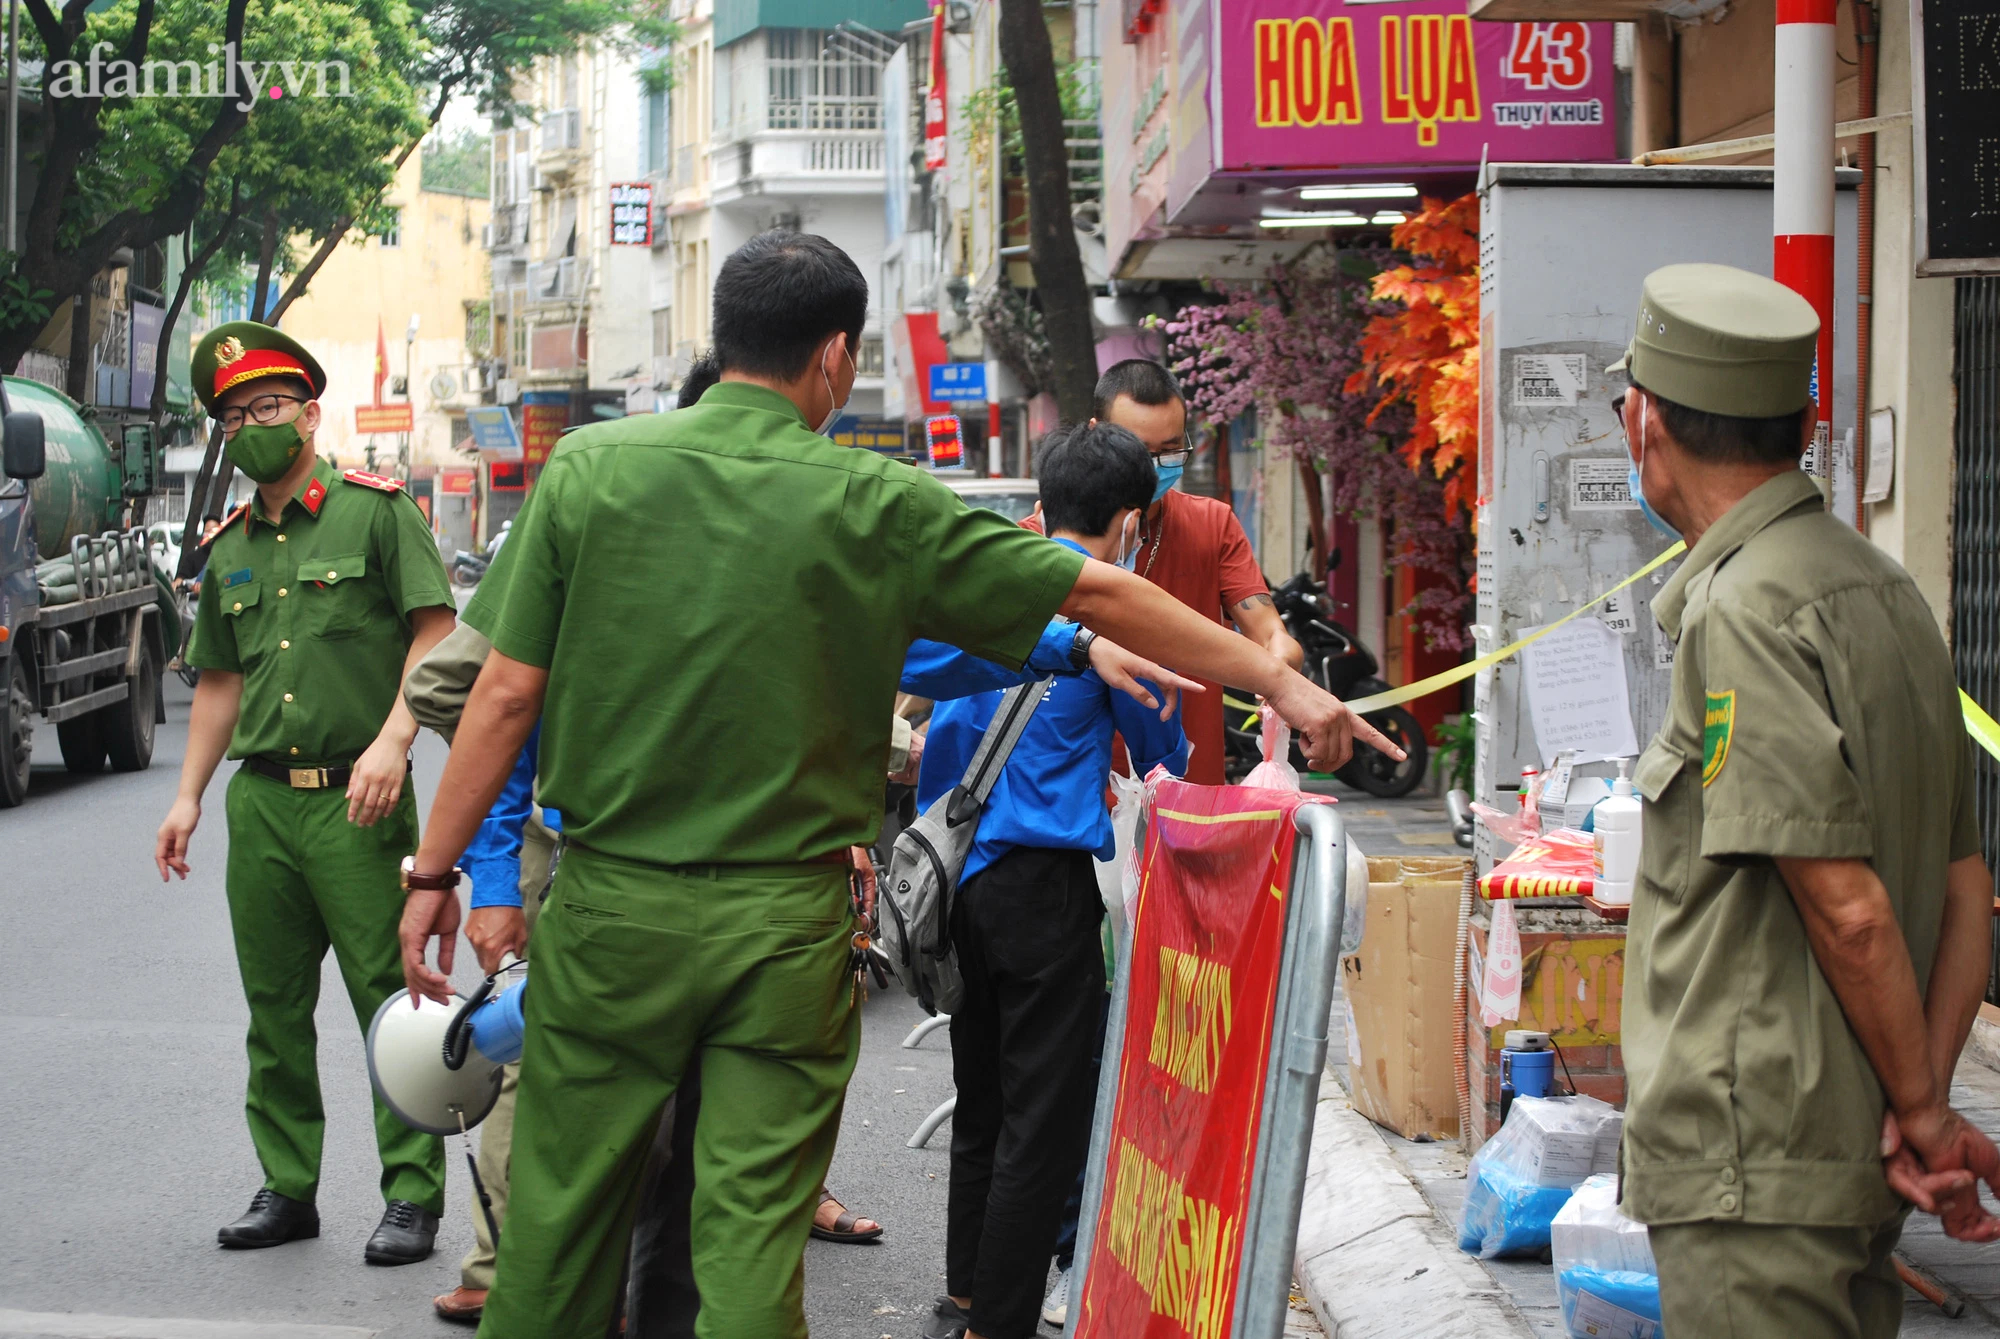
(322, 591)
(1808, 942)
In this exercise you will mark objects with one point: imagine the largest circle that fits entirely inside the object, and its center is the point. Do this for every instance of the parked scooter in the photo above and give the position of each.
(468, 568)
(1337, 661)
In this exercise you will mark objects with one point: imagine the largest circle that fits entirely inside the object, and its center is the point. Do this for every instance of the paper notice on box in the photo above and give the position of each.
(1606, 1320)
(1577, 693)
(1547, 380)
(1562, 1157)
(1601, 483)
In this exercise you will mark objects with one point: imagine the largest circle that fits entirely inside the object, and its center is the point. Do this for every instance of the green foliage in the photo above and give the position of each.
(19, 301)
(478, 46)
(461, 165)
(993, 105)
(1457, 739)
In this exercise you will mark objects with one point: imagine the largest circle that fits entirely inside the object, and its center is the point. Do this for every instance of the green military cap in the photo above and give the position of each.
(240, 351)
(1724, 340)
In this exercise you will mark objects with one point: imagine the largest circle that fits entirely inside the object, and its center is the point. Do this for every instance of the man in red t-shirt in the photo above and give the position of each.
(1191, 547)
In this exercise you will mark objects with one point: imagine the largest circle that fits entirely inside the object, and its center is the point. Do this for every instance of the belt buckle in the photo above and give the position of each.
(308, 778)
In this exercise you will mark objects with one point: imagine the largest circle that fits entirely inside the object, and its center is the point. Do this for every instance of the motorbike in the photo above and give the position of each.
(1336, 660)
(467, 568)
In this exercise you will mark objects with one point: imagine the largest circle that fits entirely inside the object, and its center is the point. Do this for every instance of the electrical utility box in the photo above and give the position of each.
(1563, 252)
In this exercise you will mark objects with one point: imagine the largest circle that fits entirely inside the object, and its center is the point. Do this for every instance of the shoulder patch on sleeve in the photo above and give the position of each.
(377, 481)
(1718, 724)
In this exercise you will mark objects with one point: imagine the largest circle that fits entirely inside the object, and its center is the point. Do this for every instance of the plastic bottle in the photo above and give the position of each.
(1531, 796)
(1616, 827)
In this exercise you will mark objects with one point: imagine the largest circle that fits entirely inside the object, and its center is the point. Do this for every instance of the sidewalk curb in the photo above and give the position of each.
(1372, 1257)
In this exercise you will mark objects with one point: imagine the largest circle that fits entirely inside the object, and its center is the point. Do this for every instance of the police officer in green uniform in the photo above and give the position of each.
(709, 610)
(321, 593)
(1809, 937)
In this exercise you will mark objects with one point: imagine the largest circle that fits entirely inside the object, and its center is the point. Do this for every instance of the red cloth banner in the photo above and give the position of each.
(936, 136)
(1207, 944)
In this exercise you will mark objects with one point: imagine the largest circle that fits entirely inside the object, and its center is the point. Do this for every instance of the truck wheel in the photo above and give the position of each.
(17, 734)
(128, 725)
(82, 741)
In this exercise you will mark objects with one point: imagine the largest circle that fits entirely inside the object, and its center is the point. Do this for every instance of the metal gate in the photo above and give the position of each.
(1975, 548)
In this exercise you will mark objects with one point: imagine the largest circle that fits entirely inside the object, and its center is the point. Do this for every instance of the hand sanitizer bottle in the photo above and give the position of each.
(1616, 822)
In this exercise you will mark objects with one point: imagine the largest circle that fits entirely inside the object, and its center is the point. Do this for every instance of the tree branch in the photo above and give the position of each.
(192, 269)
(338, 232)
(267, 250)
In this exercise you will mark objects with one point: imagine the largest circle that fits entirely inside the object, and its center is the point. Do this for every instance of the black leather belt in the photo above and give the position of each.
(304, 778)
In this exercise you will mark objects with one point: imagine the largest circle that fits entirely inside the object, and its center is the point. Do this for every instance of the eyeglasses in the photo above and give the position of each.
(1167, 460)
(263, 409)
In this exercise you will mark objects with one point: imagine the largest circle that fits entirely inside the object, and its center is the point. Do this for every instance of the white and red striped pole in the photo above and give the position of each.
(1802, 181)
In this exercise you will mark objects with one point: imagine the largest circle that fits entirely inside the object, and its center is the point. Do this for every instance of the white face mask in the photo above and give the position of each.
(826, 424)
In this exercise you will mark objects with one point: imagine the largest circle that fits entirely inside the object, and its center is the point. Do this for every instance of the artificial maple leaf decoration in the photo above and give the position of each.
(1426, 355)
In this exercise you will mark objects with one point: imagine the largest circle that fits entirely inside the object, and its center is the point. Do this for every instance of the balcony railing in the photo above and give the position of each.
(796, 154)
(562, 129)
(844, 153)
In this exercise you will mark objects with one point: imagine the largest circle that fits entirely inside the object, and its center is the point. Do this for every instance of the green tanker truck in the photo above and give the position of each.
(86, 623)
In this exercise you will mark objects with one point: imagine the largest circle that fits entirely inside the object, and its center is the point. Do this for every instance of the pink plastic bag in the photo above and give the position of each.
(1276, 771)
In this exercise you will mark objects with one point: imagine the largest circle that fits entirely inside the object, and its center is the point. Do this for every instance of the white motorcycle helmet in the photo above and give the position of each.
(408, 1068)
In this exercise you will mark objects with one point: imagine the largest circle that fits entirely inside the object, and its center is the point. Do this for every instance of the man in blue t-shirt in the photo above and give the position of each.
(1026, 923)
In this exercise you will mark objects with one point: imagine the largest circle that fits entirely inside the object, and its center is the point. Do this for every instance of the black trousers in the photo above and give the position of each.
(1027, 933)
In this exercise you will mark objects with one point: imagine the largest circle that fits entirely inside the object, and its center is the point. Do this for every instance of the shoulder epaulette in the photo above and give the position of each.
(242, 509)
(381, 482)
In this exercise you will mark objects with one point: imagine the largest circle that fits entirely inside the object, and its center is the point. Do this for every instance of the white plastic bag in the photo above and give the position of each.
(1500, 992)
(1354, 916)
(1116, 874)
(1276, 771)
(1605, 1275)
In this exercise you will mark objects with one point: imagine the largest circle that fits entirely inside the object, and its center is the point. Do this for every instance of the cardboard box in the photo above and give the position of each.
(1400, 1039)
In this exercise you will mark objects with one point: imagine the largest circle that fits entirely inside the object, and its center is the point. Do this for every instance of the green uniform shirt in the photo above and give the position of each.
(723, 599)
(313, 612)
(1813, 713)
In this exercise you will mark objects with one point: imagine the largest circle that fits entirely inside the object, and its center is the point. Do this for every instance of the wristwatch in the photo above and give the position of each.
(1079, 650)
(429, 883)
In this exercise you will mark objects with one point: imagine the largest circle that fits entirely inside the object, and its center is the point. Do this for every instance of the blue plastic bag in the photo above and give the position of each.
(1605, 1274)
(1506, 1214)
(1609, 1304)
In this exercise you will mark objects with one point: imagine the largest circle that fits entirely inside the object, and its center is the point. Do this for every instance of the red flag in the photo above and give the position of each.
(934, 123)
(381, 360)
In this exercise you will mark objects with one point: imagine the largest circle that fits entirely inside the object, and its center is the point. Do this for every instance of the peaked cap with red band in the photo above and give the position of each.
(241, 351)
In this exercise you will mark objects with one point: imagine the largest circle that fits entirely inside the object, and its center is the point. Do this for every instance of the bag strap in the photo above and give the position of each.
(1010, 720)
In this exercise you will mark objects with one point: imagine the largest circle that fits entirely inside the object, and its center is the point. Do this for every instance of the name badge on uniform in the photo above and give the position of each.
(236, 578)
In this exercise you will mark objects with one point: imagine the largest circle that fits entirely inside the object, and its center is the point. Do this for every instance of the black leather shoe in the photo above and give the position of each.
(404, 1236)
(273, 1220)
(946, 1321)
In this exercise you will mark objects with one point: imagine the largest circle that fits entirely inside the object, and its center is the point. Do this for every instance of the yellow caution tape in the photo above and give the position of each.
(1460, 673)
(1985, 731)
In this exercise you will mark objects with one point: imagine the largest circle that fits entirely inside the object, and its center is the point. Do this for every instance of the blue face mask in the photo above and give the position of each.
(1638, 493)
(1169, 476)
(1129, 560)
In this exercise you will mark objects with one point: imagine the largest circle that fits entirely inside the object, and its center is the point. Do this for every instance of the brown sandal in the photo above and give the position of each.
(843, 1226)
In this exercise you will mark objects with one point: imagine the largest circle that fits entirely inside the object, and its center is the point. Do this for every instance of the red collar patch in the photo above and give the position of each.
(314, 495)
(367, 480)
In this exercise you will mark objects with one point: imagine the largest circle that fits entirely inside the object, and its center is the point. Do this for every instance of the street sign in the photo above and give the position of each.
(384, 418)
(1957, 95)
(958, 381)
(456, 480)
(871, 434)
(493, 433)
(544, 415)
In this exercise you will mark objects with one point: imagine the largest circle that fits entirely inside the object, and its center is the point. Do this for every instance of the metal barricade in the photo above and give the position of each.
(1304, 1001)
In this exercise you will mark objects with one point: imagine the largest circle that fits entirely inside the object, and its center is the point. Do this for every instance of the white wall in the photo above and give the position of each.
(1912, 349)
(621, 320)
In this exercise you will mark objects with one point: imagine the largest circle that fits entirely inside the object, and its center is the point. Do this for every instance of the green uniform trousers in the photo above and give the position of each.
(642, 972)
(1755, 1281)
(496, 1132)
(300, 878)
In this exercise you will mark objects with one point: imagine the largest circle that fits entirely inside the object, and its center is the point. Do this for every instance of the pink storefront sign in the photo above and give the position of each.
(1306, 85)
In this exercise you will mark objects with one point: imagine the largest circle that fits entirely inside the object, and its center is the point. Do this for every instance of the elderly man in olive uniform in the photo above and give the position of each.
(713, 760)
(1809, 937)
(321, 593)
